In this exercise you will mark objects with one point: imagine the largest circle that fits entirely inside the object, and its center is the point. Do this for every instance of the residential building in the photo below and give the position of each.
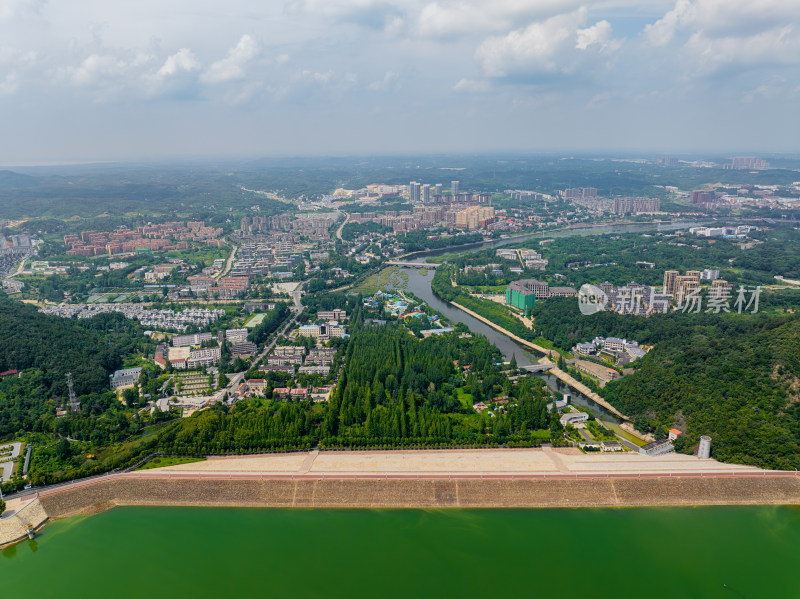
(289, 351)
(314, 369)
(194, 339)
(205, 356)
(236, 335)
(720, 289)
(243, 348)
(671, 282)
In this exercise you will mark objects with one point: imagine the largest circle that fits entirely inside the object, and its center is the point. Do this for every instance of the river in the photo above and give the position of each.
(420, 285)
(132, 552)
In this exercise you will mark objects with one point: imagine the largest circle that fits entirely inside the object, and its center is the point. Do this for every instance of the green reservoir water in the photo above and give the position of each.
(564, 553)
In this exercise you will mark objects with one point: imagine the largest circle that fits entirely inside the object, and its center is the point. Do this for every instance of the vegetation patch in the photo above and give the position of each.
(169, 461)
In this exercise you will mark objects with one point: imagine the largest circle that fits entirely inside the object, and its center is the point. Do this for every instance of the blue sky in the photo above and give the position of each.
(98, 80)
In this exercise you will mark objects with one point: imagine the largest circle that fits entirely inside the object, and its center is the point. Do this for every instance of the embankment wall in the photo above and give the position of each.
(423, 493)
(12, 528)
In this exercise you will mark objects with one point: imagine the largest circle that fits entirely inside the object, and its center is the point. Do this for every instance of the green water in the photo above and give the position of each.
(492, 554)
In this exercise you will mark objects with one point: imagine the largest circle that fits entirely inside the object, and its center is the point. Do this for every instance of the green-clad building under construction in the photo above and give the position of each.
(521, 295)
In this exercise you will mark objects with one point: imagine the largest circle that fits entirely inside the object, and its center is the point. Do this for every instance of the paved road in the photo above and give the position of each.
(339, 230)
(236, 378)
(229, 262)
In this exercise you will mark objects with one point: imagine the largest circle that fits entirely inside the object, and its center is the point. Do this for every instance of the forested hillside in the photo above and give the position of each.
(739, 384)
(89, 349)
(560, 320)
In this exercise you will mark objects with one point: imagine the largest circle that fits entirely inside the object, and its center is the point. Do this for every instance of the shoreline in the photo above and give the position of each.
(422, 494)
(420, 479)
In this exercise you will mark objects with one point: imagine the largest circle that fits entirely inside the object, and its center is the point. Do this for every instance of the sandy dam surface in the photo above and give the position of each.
(433, 479)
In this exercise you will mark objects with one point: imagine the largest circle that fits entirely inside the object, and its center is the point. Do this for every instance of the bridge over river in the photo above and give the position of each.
(412, 264)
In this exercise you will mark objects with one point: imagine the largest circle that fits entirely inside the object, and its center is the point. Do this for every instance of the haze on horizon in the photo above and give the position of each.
(99, 81)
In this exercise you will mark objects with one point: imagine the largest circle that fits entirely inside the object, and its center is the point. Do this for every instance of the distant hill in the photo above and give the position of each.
(10, 179)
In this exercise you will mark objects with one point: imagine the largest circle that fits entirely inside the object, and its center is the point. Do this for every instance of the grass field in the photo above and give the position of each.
(254, 321)
(391, 277)
(170, 461)
(625, 435)
(464, 398)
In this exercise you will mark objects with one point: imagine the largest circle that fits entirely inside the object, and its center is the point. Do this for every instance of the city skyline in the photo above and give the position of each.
(97, 82)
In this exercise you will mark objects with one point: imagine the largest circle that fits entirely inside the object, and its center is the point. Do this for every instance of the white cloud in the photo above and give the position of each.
(321, 78)
(598, 34)
(722, 18)
(556, 46)
(183, 61)
(375, 14)
(97, 69)
(9, 84)
(776, 47)
(719, 36)
(446, 18)
(471, 85)
(389, 82)
(234, 65)
(14, 8)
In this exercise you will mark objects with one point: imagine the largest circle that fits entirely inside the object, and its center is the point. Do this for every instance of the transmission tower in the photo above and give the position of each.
(73, 401)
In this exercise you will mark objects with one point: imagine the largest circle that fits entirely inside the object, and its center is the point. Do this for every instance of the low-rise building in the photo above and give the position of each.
(243, 348)
(236, 335)
(674, 433)
(289, 351)
(573, 418)
(287, 368)
(193, 339)
(332, 315)
(314, 369)
(610, 446)
(125, 378)
(658, 447)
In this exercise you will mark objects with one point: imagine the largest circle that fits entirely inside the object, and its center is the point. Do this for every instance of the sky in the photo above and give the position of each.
(93, 80)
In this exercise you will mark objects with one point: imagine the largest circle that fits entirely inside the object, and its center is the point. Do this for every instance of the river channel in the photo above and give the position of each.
(420, 285)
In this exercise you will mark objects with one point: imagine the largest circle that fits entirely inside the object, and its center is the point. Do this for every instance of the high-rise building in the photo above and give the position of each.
(669, 161)
(454, 188)
(695, 274)
(426, 193)
(702, 197)
(720, 289)
(414, 192)
(686, 285)
(670, 282)
(474, 217)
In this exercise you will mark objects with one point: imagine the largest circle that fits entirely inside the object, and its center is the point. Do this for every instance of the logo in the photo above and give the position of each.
(591, 299)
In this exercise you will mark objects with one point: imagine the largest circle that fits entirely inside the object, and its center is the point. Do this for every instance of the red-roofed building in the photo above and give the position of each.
(674, 433)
